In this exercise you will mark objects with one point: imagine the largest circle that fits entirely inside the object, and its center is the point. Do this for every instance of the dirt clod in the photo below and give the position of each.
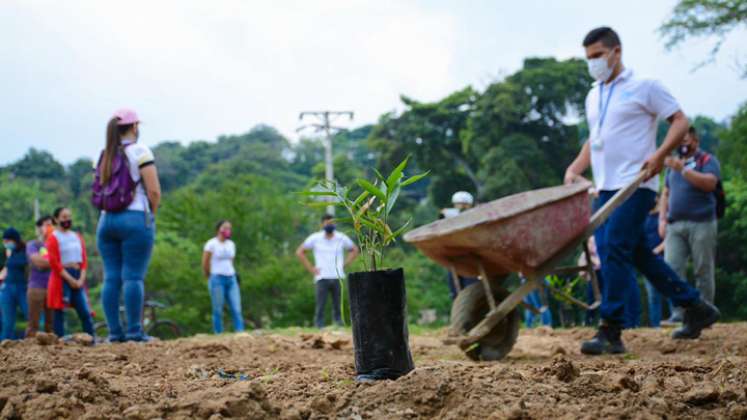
(702, 395)
(45, 339)
(45, 386)
(82, 339)
(286, 377)
(564, 370)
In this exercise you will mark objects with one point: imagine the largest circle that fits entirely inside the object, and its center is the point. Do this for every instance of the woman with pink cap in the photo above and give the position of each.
(129, 193)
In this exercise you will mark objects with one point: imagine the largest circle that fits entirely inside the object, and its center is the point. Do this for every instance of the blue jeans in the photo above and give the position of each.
(125, 241)
(535, 300)
(622, 247)
(12, 296)
(79, 301)
(225, 289)
(632, 304)
(632, 317)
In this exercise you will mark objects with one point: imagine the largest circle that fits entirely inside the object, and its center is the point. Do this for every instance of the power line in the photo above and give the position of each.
(324, 124)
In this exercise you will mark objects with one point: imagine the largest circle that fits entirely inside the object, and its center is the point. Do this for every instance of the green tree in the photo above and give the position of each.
(731, 277)
(17, 198)
(80, 176)
(732, 151)
(37, 164)
(511, 137)
(705, 18)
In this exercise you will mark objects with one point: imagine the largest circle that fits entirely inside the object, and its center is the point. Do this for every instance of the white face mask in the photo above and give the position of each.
(599, 69)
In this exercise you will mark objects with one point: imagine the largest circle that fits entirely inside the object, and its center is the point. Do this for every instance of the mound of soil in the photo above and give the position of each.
(310, 376)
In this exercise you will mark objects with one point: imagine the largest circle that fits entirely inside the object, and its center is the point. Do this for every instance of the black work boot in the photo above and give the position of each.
(607, 340)
(698, 316)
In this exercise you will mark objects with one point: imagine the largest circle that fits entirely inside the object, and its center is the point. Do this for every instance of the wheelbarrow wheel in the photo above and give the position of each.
(469, 308)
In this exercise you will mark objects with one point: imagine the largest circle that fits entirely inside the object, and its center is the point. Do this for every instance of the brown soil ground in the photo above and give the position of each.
(310, 376)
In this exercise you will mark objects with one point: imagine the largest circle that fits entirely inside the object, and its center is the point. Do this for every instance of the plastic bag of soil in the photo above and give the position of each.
(378, 308)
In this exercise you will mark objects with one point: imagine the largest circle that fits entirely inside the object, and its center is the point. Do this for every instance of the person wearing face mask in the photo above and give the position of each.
(688, 220)
(622, 110)
(217, 265)
(13, 277)
(125, 236)
(462, 201)
(68, 261)
(36, 251)
(328, 246)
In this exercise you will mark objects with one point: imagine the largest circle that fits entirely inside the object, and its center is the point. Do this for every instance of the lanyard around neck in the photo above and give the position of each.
(604, 105)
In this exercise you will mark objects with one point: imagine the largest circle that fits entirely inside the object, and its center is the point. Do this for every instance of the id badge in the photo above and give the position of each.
(596, 142)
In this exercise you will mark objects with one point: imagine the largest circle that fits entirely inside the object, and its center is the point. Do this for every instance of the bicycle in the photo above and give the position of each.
(164, 329)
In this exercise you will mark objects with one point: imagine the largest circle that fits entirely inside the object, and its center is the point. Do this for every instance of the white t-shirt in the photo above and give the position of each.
(138, 156)
(627, 136)
(329, 256)
(71, 250)
(221, 256)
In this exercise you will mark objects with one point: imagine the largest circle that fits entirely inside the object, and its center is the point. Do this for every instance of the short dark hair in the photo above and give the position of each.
(327, 217)
(219, 224)
(57, 212)
(605, 34)
(693, 132)
(40, 221)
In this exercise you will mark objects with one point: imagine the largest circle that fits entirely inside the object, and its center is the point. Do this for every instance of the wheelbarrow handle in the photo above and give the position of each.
(603, 213)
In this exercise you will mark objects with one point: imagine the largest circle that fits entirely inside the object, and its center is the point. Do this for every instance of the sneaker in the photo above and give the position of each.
(673, 320)
(145, 338)
(607, 340)
(697, 317)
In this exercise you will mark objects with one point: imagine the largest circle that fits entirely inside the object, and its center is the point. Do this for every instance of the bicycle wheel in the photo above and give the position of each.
(165, 330)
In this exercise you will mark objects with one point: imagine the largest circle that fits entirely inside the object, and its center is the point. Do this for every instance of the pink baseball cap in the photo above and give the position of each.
(126, 116)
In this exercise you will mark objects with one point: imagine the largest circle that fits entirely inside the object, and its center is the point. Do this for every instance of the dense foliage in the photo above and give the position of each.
(518, 133)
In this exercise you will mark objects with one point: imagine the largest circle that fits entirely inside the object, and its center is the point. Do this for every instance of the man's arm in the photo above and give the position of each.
(678, 126)
(701, 180)
(352, 255)
(301, 254)
(579, 165)
(38, 261)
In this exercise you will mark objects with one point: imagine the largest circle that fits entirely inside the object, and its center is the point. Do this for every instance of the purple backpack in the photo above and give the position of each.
(119, 193)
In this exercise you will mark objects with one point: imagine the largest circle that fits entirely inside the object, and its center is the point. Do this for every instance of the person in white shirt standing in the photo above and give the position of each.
(622, 112)
(217, 265)
(328, 247)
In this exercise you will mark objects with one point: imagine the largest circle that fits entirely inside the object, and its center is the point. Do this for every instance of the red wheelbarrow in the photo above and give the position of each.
(529, 233)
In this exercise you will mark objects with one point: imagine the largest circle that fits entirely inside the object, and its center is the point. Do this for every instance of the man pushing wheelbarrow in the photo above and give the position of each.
(622, 111)
(534, 231)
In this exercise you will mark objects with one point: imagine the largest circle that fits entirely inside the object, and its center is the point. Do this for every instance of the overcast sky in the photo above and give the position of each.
(194, 70)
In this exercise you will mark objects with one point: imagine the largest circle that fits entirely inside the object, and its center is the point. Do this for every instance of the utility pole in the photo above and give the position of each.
(323, 124)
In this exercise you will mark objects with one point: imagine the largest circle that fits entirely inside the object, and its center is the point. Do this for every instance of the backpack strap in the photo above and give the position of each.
(704, 158)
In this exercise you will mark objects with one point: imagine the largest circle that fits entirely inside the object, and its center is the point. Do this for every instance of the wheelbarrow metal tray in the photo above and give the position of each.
(512, 234)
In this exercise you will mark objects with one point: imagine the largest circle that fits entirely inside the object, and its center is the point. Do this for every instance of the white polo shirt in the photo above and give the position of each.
(329, 255)
(626, 136)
